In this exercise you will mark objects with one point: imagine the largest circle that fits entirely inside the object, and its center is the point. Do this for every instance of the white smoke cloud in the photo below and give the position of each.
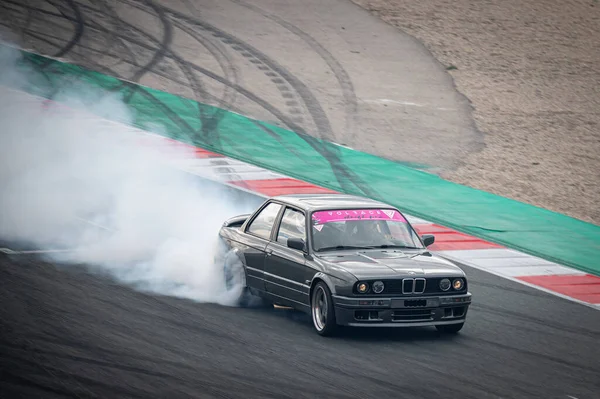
(69, 180)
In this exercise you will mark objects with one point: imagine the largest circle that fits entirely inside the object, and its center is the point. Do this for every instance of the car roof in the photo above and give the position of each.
(313, 202)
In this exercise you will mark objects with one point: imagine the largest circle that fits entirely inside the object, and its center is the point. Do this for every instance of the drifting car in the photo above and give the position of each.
(345, 261)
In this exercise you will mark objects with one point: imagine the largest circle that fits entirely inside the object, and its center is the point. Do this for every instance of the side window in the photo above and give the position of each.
(263, 223)
(292, 226)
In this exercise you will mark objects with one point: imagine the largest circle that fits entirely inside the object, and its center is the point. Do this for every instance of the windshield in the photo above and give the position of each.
(362, 228)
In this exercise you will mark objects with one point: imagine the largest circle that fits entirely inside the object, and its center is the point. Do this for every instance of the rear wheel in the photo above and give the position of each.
(235, 280)
(235, 283)
(450, 328)
(322, 310)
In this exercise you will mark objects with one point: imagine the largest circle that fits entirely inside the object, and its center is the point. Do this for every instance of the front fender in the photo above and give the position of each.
(336, 285)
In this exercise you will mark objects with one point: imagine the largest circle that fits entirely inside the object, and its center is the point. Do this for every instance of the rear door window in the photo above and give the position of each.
(262, 225)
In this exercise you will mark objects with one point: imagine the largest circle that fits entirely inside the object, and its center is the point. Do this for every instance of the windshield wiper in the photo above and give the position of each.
(392, 246)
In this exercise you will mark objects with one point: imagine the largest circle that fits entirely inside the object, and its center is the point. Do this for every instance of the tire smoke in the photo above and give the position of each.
(71, 180)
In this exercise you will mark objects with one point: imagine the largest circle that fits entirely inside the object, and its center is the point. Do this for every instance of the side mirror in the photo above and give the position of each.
(296, 243)
(428, 239)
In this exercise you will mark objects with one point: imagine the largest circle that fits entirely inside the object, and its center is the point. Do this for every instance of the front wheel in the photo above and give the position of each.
(450, 328)
(322, 310)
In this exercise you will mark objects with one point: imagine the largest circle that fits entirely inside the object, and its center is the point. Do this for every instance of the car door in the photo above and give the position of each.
(256, 239)
(286, 272)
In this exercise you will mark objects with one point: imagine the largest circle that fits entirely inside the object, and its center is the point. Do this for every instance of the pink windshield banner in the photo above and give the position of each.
(356, 214)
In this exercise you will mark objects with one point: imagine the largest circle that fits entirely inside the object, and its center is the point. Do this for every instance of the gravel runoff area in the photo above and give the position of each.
(532, 72)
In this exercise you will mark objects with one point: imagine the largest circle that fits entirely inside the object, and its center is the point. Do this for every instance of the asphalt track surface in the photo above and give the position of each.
(67, 332)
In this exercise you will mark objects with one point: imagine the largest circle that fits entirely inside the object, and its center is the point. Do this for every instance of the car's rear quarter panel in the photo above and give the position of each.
(251, 251)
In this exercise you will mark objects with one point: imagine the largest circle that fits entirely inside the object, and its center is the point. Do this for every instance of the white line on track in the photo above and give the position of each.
(407, 103)
(344, 146)
(93, 223)
(9, 251)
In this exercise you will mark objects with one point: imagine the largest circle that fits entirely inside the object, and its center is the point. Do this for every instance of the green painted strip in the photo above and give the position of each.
(516, 225)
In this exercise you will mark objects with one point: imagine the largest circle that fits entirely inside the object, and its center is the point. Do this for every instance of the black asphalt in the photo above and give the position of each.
(66, 332)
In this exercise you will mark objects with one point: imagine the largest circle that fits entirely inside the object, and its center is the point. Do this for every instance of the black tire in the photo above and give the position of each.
(246, 299)
(450, 328)
(322, 310)
(234, 274)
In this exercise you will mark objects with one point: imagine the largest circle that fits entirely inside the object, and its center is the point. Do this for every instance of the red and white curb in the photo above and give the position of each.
(529, 270)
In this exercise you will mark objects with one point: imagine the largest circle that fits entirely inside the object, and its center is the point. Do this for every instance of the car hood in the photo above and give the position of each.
(386, 264)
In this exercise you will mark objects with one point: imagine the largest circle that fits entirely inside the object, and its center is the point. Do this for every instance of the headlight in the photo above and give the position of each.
(378, 287)
(445, 284)
(362, 287)
(457, 284)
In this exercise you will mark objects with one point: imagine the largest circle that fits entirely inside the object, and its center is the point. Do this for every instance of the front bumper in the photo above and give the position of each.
(401, 311)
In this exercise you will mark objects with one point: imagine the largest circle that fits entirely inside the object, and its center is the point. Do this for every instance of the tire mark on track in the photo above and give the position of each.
(79, 27)
(291, 123)
(310, 101)
(14, 25)
(163, 46)
(88, 60)
(151, 98)
(230, 82)
(344, 80)
(208, 120)
(220, 79)
(210, 125)
(102, 30)
(110, 71)
(163, 49)
(60, 39)
(28, 19)
(234, 86)
(47, 41)
(328, 152)
(218, 51)
(224, 62)
(42, 11)
(159, 104)
(112, 16)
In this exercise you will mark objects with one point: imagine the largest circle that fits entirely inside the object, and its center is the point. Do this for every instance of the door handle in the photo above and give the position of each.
(269, 252)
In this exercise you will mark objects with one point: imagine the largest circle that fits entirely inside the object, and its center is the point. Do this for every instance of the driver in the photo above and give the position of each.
(364, 232)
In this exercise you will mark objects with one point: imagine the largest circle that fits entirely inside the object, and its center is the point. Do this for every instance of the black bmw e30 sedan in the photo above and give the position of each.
(345, 260)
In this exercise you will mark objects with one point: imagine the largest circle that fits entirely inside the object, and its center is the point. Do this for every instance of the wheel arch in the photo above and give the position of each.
(320, 277)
